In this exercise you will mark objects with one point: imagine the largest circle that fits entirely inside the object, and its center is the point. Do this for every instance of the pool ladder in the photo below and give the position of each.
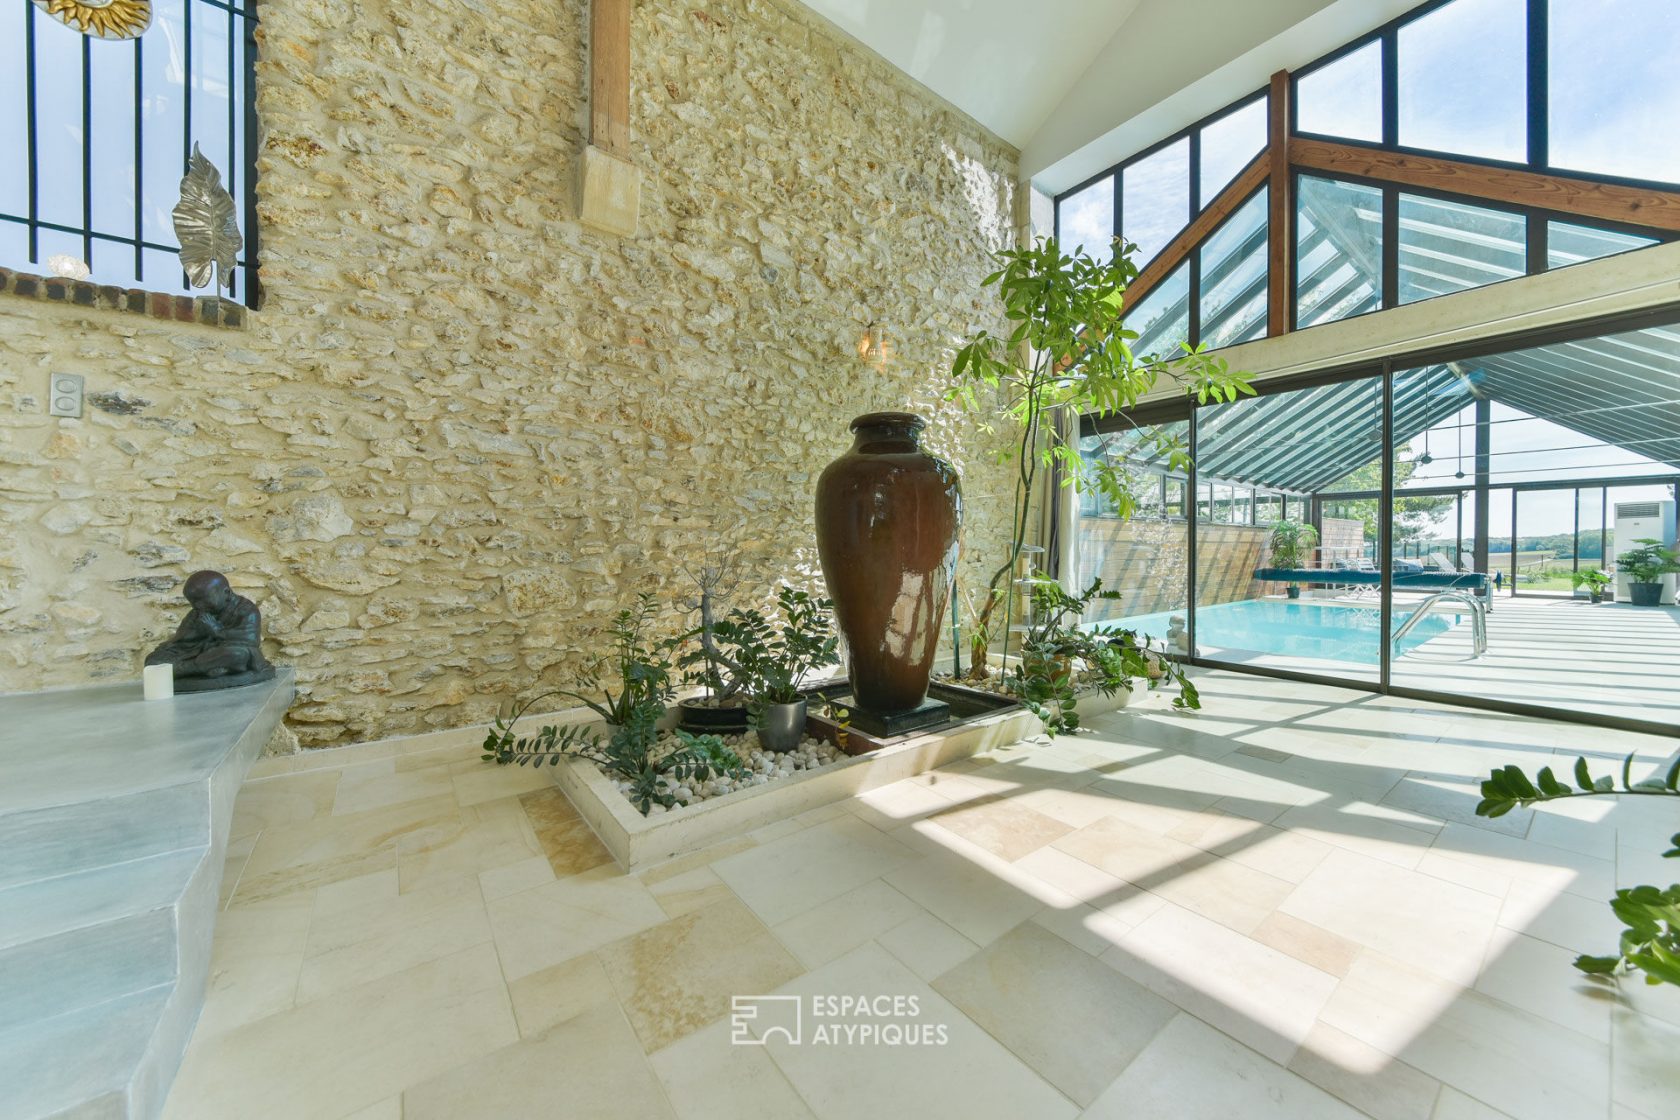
(1478, 619)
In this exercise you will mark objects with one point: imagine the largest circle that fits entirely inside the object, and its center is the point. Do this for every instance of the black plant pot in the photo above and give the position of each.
(1645, 594)
(1292, 591)
(700, 719)
(1596, 596)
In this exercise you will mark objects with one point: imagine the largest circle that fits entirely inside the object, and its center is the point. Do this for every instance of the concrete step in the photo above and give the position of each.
(83, 939)
(114, 843)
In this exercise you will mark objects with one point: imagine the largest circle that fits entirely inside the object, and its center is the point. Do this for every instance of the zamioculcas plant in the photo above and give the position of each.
(1651, 941)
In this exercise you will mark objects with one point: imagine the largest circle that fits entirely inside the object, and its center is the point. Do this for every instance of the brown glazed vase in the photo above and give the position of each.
(887, 520)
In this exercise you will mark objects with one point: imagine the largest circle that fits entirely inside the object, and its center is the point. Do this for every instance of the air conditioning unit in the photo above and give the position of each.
(1637, 521)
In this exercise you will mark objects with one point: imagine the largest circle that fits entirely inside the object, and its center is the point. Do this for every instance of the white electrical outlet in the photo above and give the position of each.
(65, 395)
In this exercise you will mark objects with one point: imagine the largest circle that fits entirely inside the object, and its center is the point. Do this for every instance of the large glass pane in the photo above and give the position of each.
(14, 125)
(1234, 277)
(1162, 320)
(1615, 88)
(1229, 144)
(1573, 451)
(58, 119)
(1463, 78)
(1155, 200)
(1086, 220)
(1344, 97)
(1567, 243)
(1145, 558)
(1450, 246)
(1312, 607)
(1338, 250)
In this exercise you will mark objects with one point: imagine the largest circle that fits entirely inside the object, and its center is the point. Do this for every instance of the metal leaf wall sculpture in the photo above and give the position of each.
(206, 226)
(103, 19)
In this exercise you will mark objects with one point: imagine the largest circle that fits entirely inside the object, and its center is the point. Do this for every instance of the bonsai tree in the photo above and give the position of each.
(1292, 544)
(1595, 580)
(1651, 941)
(1646, 565)
(1067, 354)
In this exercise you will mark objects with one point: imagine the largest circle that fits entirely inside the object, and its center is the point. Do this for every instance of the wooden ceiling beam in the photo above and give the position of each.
(1280, 259)
(1224, 204)
(1583, 198)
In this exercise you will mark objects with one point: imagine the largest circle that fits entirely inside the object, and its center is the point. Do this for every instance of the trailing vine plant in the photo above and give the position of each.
(1651, 941)
(1068, 354)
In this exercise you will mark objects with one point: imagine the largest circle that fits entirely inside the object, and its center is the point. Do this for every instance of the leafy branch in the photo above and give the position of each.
(1650, 942)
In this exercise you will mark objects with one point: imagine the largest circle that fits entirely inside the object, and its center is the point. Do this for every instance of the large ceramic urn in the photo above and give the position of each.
(887, 520)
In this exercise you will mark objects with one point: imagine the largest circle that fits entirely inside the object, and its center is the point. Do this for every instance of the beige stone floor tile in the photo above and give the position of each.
(567, 841)
(1528, 861)
(966, 895)
(1379, 831)
(560, 920)
(927, 946)
(1007, 830)
(679, 976)
(707, 1077)
(797, 823)
(479, 837)
(328, 849)
(361, 788)
(283, 800)
(1363, 1076)
(1472, 1042)
(511, 878)
(840, 925)
(886, 807)
(255, 961)
(1263, 998)
(1540, 978)
(1280, 854)
(1455, 1105)
(1191, 1070)
(1033, 991)
(1307, 943)
(1646, 1074)
(388, 1109)
(705, 857)
(1435, 925)
(233, 866)
(486, 781)
(1084, 927)
(559, 992)
(1228, 892)
(351, 945)
(352, 1049)
(972, 1075)
(587, 1066)
(790, 875)
(1454, 801)
(1074, 876)
(350, 894)
(1578, 827)
(690, 891)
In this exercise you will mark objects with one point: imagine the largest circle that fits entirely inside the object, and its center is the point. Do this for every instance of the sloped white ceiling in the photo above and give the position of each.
(1006, 63)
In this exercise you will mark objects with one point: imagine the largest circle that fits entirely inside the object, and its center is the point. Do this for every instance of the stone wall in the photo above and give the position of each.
(461, 431)
(1148, 562)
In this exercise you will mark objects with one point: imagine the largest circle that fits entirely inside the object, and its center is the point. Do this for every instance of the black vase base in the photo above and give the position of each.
(231, 680)
(930, 713)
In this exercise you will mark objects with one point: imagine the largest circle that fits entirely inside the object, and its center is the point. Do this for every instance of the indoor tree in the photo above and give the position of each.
(1068, 354)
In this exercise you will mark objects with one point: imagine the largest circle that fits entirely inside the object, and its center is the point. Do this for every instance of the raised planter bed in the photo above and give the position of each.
(637, 841)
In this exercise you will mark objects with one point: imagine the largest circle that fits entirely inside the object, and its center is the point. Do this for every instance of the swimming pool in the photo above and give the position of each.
(1291, 627)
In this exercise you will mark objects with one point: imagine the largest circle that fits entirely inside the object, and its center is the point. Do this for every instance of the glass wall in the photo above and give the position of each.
(1511, 480)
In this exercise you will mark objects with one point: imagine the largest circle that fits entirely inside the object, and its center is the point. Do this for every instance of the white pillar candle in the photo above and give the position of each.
(159, 681)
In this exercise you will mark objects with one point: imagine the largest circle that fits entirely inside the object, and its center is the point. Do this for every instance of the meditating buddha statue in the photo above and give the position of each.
(219, 643)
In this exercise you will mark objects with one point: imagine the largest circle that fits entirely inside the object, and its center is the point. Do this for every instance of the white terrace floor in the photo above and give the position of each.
(1283, 907)
(1613, 658)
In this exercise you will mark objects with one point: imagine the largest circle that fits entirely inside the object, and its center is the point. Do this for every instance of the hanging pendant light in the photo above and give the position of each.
(1460, 472)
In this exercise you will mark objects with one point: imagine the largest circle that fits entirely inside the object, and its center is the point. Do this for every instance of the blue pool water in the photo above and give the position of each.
(1328, 632)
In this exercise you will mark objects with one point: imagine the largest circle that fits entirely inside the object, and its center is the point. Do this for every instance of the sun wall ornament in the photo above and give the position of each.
(205, 225)
(103, 19)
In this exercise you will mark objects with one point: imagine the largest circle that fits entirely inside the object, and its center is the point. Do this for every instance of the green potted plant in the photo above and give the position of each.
(1292, 544)
(714, 663)
(1057, 648)
(1646, 565)
(774, 657)
(1595, 580)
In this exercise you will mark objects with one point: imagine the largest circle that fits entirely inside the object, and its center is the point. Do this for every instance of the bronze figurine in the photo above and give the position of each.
(219, 643)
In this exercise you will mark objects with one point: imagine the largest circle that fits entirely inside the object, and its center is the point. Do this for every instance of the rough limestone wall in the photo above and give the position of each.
(462, 431)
